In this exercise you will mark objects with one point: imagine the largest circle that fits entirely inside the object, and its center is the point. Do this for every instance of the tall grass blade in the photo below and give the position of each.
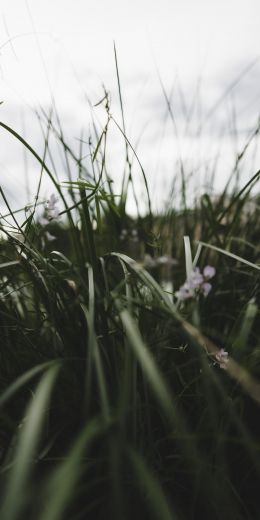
(154, 496)
(26, 451)
(62, 483)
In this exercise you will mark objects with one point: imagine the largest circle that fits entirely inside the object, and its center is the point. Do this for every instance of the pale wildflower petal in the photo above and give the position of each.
(196, 279)
(222, 357)
(184, 293)
(52, 210)
(197, 283)
(206, 288)
(209, 271)
(52, 201)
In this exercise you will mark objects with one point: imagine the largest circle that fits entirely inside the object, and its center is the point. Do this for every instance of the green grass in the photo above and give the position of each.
(113, 403)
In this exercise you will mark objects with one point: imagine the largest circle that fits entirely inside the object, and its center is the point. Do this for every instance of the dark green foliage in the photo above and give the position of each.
(113, 404)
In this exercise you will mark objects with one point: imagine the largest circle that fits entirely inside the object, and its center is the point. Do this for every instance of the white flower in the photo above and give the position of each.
(209, 271)
(197, 283)
(196, 279)
(222, 357)
(52, 211)
(185, 292)
(206, 288)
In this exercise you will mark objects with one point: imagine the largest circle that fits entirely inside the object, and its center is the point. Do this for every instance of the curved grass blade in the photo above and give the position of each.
(147, 363)
(27, 445)
(231, 255)
(61, 484)
(22, 380)
(154, 495)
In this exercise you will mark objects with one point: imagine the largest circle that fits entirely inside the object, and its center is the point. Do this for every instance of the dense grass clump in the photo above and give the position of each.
(129, 352)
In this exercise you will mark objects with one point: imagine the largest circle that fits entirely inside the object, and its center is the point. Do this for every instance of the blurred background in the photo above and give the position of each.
(189, 75)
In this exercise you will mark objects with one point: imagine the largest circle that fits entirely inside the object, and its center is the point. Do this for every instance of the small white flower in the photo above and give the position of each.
(197, 283)
(52, 201)
(196, 279)
(206, 288)
(222, 357)
(185, 292)
(209, 271)
(52, 210)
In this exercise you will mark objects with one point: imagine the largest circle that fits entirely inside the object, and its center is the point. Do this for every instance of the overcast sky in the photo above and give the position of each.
(200, 49)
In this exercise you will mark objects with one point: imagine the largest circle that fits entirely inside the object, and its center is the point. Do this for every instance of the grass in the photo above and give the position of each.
(114, 401)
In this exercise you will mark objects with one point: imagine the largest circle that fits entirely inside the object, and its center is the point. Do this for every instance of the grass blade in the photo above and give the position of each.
(28, 442)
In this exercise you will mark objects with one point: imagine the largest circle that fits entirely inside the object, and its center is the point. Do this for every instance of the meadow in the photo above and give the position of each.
(130, 354)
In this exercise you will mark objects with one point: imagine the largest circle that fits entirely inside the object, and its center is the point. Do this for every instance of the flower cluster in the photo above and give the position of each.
(197, 283)
(222, 358)
(52, 209)
(51, 213)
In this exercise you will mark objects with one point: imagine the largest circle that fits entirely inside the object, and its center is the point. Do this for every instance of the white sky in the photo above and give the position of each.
(65, 47)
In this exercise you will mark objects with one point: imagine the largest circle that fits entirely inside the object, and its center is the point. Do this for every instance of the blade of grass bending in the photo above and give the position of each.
(26, 450)
(147, 363)
(237, 197)
(22, 380)
(25, 208)
(9, 264)
(62, 482)
(231, 255)
(154, 495)
(141, 167)
(11, 213)
(146, 278)
(20, 138)
(44, 167)
(159, 387)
